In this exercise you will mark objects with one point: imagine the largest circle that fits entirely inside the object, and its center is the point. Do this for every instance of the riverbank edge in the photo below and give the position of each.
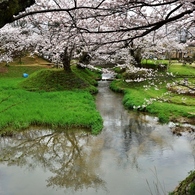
(118, 86)
(186, 187)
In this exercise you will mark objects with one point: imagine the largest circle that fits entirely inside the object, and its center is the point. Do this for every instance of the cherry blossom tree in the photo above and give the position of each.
(16, 42)
(138, 17)
(103, 27)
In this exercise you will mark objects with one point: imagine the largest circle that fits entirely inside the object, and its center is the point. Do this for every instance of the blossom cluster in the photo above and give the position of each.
(165, 97)
(182, 87)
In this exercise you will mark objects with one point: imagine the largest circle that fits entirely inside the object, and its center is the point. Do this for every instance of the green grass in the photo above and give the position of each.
(50, 98)
(17, 71)
(150, 61)
(165, 107)
(64, 109)
(55, 80)
(87, 75)
(154, 64)
(182, 70)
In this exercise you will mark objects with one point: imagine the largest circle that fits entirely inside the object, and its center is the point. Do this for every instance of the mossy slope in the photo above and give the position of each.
(55, 80)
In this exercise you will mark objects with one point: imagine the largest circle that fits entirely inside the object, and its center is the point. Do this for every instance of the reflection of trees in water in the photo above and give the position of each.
(63, 154)
(141, 137)
(192, 145)
(129, 134)
(135, 131)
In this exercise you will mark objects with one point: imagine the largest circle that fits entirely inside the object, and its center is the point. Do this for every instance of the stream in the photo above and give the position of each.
(133, 155)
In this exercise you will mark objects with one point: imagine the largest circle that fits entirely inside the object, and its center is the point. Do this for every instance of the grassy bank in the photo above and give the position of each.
(47, 97)
(186, 187)
(157, 100)
(182, 70)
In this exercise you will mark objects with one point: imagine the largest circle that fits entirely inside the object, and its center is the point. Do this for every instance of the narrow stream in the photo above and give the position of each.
(131, 156)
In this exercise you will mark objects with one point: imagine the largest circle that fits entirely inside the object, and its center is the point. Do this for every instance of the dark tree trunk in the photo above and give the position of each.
(85, 58)
(136, 54)
(66, 59)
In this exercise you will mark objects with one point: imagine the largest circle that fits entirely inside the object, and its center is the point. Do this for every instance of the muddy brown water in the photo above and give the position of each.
(133, 155)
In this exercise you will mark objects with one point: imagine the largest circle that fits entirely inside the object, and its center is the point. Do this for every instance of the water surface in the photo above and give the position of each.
(132, 154)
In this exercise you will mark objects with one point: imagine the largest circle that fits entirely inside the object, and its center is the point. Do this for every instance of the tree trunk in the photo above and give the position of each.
(66, 58)
(136, 54)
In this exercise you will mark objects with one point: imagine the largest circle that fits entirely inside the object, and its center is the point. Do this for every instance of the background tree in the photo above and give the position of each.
(105, 27)
(15, 43)
(138, 17)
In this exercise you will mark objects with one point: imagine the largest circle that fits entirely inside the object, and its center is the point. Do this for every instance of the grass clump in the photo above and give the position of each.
(58, 80)
(48, 97)
(63, 109)
(52, 80)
